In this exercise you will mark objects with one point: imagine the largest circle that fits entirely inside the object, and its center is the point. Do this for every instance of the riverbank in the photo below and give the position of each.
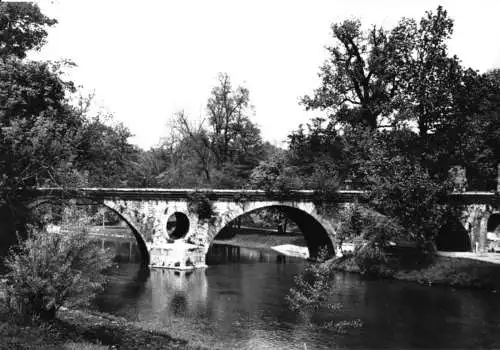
(457, 272)
(84, 330)
(262, 240)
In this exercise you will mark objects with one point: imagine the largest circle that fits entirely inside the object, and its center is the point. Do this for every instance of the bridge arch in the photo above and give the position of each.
(317, 231)
(81, 202)
(138, 236)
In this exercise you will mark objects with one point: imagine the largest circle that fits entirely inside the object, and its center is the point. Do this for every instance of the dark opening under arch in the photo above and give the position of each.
(494, 223)
(453, 237)
(314, 233)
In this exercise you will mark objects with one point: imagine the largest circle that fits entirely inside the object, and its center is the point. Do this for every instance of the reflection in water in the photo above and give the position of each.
(182, 293)
(238, 302)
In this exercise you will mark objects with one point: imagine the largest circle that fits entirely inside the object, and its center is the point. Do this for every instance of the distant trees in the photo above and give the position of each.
(219, 151)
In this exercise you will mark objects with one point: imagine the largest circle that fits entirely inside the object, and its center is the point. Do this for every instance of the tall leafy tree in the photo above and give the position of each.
(429, 77)
(356, 84)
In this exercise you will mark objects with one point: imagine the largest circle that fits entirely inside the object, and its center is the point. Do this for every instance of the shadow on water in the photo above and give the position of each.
(223, 253)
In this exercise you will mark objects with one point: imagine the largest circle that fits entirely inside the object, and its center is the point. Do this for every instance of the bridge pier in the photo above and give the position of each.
(177, 255)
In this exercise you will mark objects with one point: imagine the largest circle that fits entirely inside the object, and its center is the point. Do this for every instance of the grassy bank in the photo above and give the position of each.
(251, 238)
(455, 272)
(76, 329)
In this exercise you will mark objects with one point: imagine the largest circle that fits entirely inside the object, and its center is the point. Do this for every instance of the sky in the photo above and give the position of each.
(146, 60)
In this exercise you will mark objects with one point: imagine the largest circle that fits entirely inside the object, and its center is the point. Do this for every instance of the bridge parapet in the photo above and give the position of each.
(95, 193)
(239, 195)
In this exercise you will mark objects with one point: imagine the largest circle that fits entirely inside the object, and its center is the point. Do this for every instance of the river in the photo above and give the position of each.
(238, 302)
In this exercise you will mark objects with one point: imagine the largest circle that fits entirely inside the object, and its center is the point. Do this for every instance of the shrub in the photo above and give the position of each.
(49, 270)
(312, 286)
(200, 204)
(371, 259)
(373, 233)
(404, 190)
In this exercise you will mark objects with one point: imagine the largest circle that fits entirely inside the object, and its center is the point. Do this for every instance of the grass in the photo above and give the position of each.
(77, 329)
(455, 272)
(253, 238)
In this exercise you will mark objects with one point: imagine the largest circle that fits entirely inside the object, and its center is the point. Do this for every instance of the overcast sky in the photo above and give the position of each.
(146, 60)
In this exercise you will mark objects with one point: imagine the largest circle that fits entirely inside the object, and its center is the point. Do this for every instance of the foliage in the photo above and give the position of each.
(275, 175)
(219, 151)
(104, 155)
(45, 139)
(23, 28)
(201, 205)
(403, 190)
(355, 86)
(37, 127)
(49, 270)
(312, 286)
(378, 76)
(371, 259)
(312, 290)
(393, 80)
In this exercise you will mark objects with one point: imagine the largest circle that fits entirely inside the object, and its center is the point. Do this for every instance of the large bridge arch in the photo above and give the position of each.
(141, 243)
(132, 225)
(318, 232)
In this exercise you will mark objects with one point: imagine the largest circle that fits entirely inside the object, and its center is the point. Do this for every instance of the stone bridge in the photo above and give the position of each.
(184, 244)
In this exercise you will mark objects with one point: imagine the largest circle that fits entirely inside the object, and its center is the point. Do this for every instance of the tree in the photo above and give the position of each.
(275, 175)
(429, 78)
(400, 188)
(37, 127)
(380, 78)
(222, 149)
(226, 117)
(23, 27)
(355, 83)
(103, 154)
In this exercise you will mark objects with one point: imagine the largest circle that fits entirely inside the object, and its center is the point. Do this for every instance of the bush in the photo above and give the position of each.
(200, 204)
(373, 233)
(49, 270)
(371, 259)
(401, 187)
(312, 286)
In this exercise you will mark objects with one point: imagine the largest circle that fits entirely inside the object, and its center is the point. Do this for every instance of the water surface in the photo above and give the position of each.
(238, 302)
